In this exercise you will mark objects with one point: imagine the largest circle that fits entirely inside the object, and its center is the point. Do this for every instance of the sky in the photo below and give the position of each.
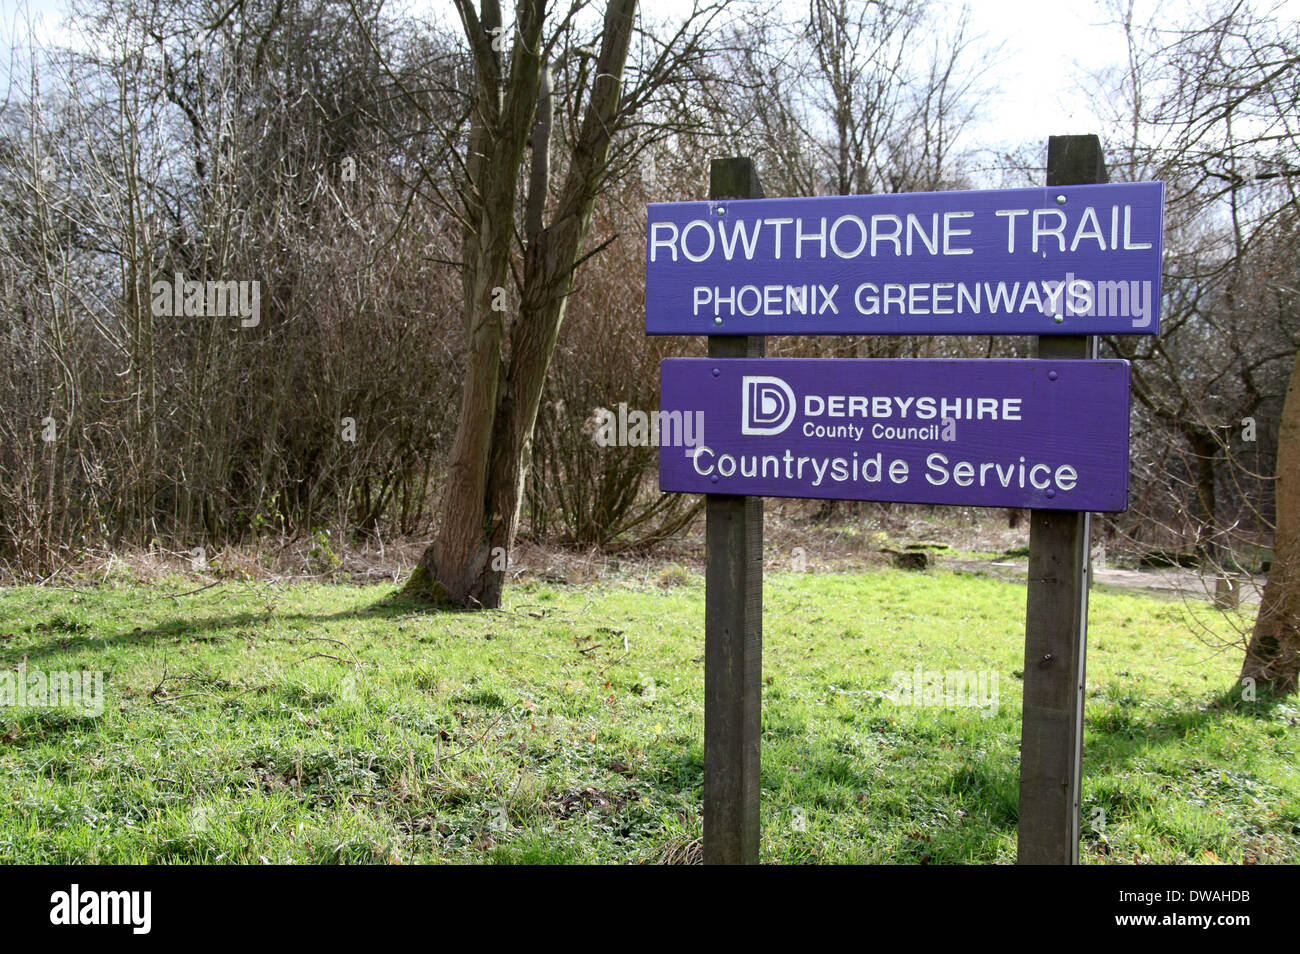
(1049, 47)
(13, 13)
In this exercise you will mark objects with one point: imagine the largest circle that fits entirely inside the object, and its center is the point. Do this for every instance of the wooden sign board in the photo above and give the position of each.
(1069, 260)
(1042, 434)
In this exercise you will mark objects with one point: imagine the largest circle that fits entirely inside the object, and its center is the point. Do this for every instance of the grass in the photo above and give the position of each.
(315, 723)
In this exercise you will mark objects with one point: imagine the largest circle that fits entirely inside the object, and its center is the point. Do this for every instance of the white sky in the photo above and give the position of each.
(14, 13)
(1048, 48)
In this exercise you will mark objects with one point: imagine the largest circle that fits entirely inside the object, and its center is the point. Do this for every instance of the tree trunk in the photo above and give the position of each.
(1273, 657)
(465, 566)
(1205, 451)
(450, 570)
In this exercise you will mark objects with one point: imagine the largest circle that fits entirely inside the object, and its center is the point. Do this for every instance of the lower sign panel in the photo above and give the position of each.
(1044, 434)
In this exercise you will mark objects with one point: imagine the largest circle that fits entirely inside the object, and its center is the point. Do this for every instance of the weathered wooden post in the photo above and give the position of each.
(733, 619)
(1056, 613)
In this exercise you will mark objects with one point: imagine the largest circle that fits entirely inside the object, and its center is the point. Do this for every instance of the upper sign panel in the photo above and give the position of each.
(1064, 260)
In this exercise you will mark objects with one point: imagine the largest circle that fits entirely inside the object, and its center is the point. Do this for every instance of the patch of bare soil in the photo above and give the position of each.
(799, 536)
(1172, 581)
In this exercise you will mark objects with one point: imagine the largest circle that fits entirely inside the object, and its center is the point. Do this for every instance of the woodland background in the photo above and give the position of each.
(313, 146)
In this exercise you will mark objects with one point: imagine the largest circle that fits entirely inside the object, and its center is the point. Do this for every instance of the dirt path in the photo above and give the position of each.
(1174, 581)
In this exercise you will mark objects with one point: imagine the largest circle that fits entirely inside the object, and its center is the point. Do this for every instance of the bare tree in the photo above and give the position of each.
(860, 96)
(1273, 655)
(1209, 105)
(507, 361)
(224, 141)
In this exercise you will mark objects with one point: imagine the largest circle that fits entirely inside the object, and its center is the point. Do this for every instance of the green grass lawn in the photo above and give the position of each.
(315, 723)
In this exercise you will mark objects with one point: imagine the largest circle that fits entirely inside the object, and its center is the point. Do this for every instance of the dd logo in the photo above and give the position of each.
(766, 405)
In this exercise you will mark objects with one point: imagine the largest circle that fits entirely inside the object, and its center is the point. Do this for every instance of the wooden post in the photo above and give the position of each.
(733, 619)
(1056, 613)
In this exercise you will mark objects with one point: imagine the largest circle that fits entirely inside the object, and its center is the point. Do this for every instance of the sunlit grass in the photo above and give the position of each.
(321, 724)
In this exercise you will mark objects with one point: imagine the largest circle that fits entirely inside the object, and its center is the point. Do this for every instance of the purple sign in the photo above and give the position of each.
(1044, 434)
(1064, 260)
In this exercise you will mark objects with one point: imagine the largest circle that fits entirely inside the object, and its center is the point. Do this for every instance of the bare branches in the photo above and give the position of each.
(861, 97)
